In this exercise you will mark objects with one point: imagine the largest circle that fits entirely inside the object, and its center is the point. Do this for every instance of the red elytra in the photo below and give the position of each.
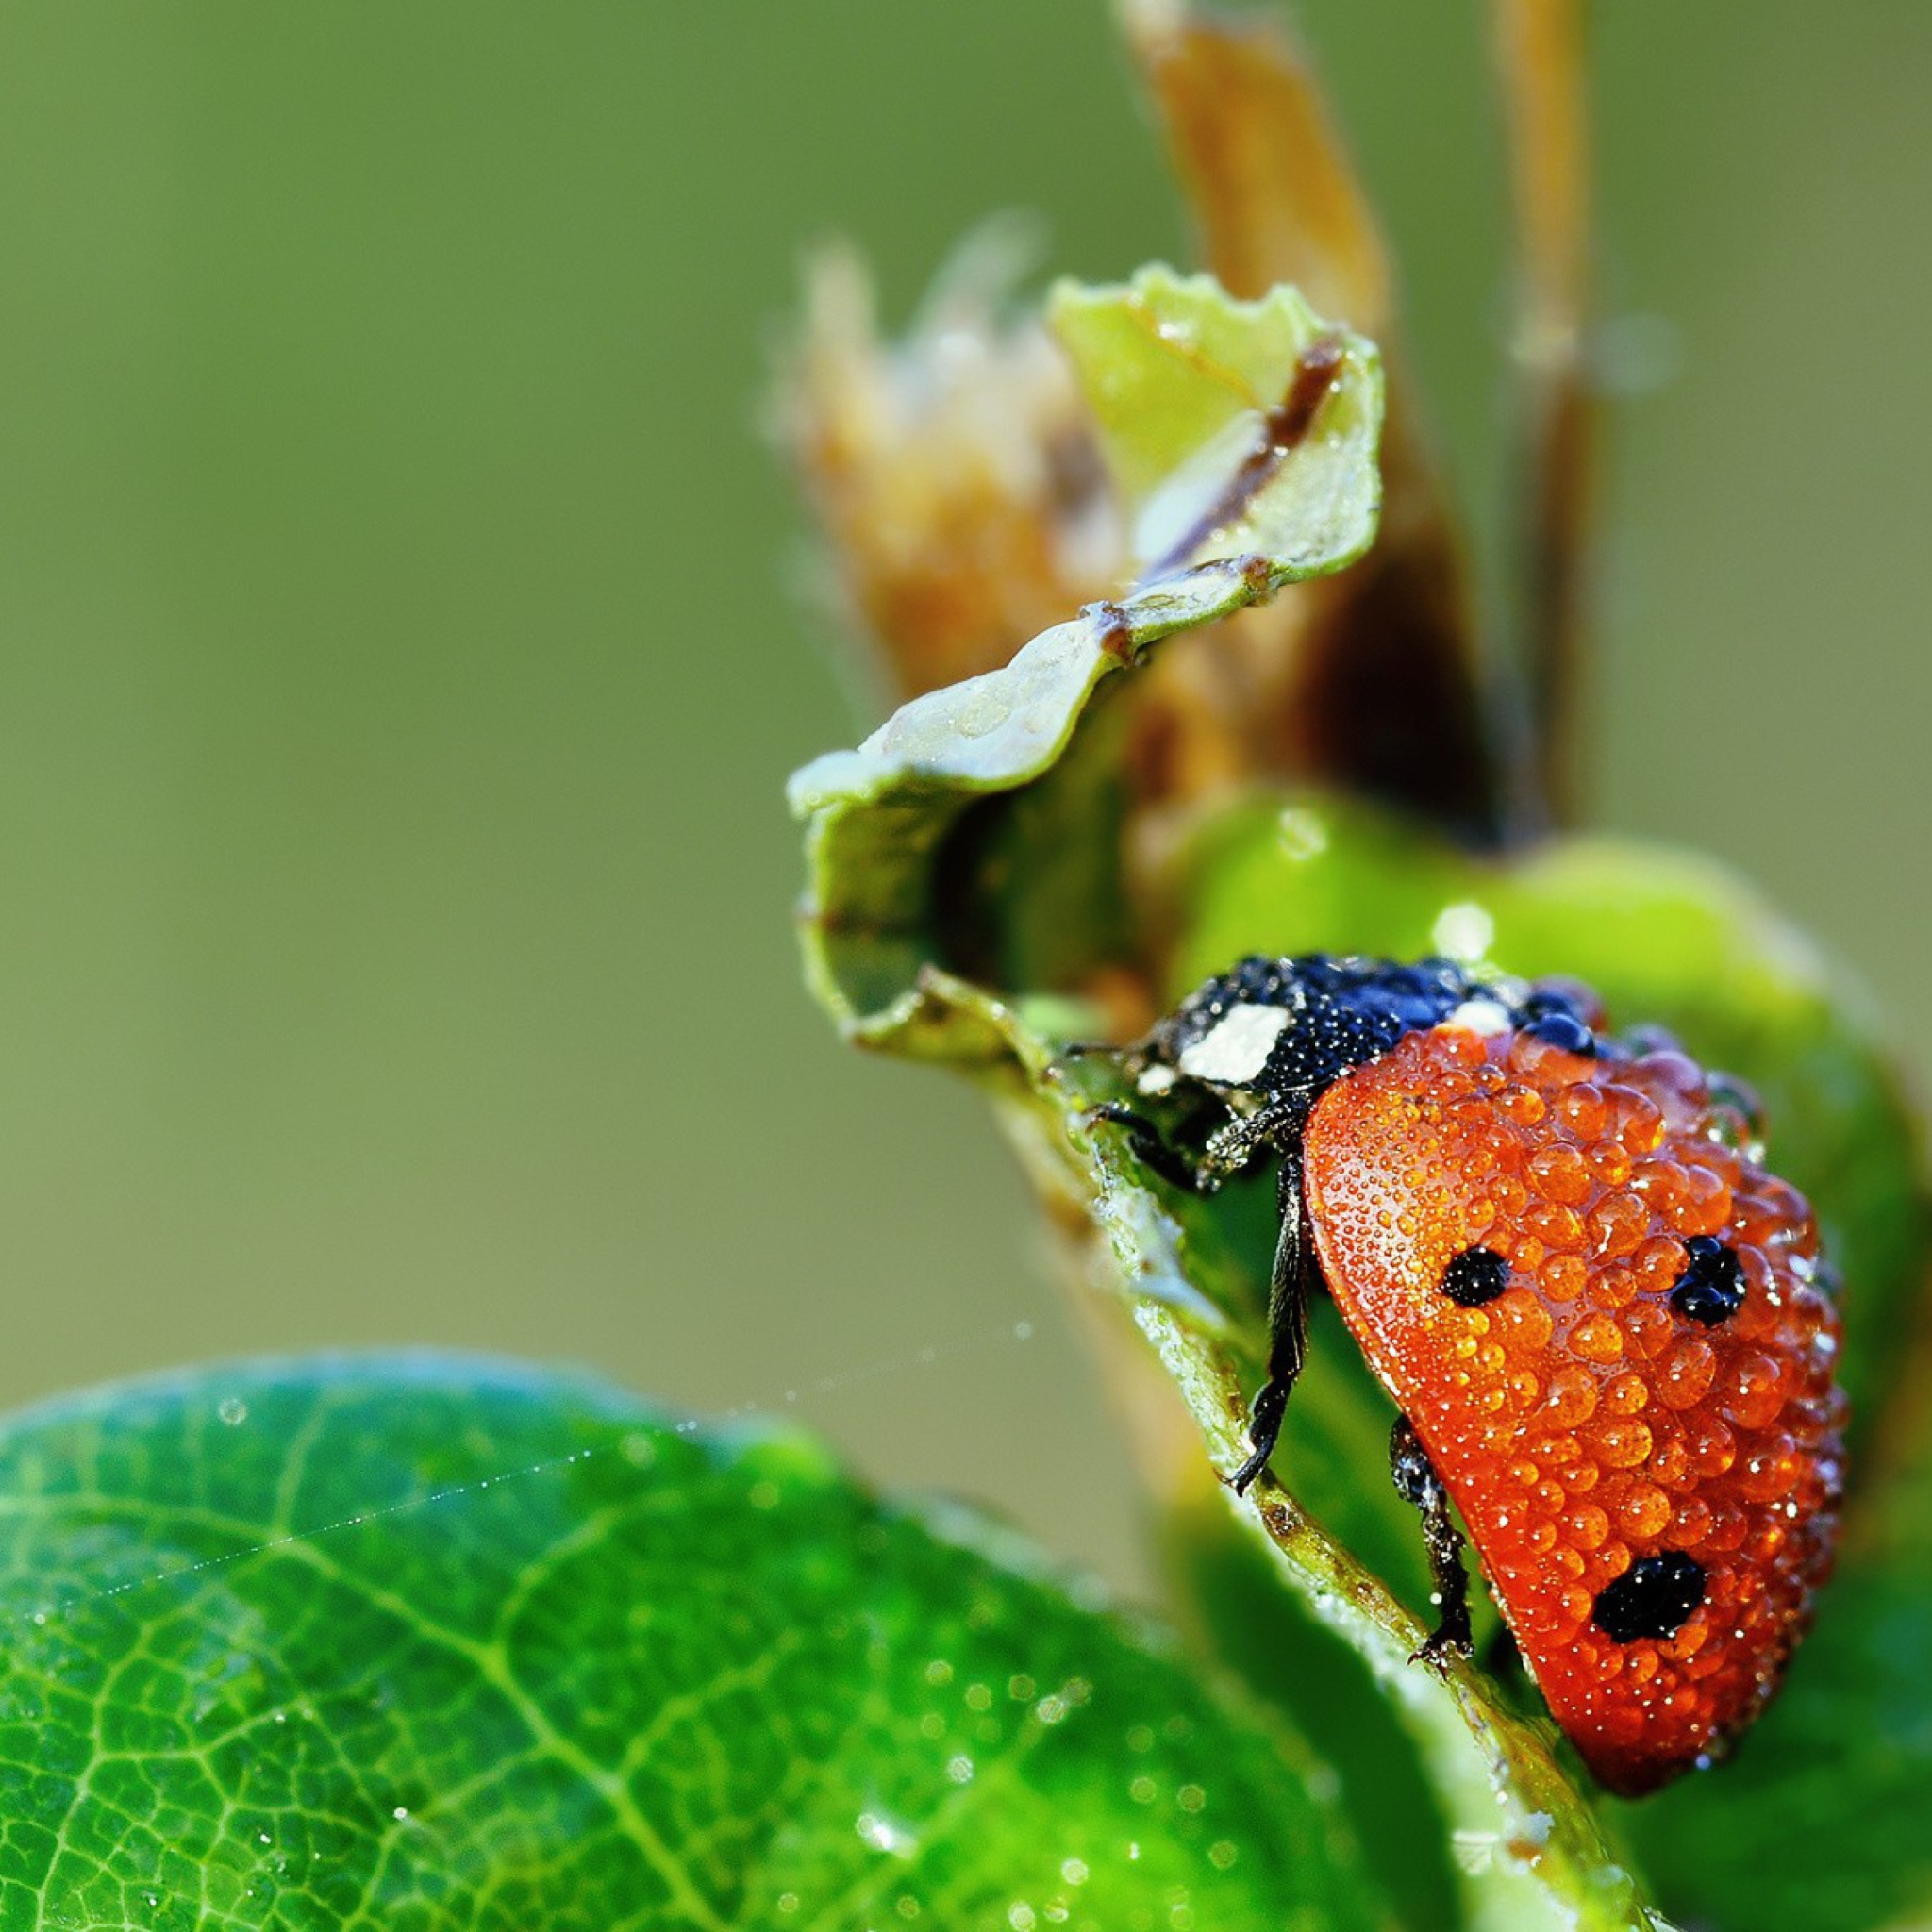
(1579, 1421)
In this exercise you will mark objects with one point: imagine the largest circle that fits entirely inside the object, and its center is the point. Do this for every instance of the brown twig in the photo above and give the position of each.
(1538, 48)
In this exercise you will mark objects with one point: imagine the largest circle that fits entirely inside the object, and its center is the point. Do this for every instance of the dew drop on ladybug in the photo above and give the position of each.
(1605, 1324)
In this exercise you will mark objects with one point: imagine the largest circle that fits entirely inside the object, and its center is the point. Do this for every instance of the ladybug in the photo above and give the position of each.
(1606, 1325)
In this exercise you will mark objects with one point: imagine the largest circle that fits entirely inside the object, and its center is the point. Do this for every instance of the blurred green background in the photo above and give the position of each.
(402, 651)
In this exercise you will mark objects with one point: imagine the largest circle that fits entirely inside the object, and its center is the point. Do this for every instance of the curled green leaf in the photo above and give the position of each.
(880, 815)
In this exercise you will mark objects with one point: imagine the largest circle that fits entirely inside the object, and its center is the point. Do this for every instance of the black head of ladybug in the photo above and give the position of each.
(1272, 1028)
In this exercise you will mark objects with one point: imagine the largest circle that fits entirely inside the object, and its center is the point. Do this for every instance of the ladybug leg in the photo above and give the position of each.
(1175, 1167)
(1232, 1148)
(1417, 1482)
(1288, 1325)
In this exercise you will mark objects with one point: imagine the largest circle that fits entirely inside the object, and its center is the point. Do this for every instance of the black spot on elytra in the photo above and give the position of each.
(1474, 1276)
(1651, 1599)
(1711, 1287)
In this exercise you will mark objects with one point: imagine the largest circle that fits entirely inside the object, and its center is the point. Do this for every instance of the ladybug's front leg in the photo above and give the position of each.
(1232, 1148)
(1288, 1325)
(1176, 1168)
(1417, 1482)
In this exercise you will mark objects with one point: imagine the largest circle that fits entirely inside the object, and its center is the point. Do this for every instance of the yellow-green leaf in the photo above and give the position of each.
(1231, 428)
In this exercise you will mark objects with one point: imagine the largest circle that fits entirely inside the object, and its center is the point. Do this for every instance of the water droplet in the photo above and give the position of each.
(883, 1834)
(1463, 931)
(401, 1812)
(960, 1769)
(232, 1411)
(1303, 836)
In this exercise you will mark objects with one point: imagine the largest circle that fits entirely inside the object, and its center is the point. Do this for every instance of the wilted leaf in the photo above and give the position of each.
(422, 1644)
(952, 470)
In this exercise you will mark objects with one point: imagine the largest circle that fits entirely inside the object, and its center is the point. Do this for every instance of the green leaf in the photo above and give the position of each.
(1231, 1595)
(416, 1644)
(1231, 427)
(1822, 1819)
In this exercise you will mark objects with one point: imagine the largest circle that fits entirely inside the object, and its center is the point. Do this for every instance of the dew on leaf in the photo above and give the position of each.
(883, 1834)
